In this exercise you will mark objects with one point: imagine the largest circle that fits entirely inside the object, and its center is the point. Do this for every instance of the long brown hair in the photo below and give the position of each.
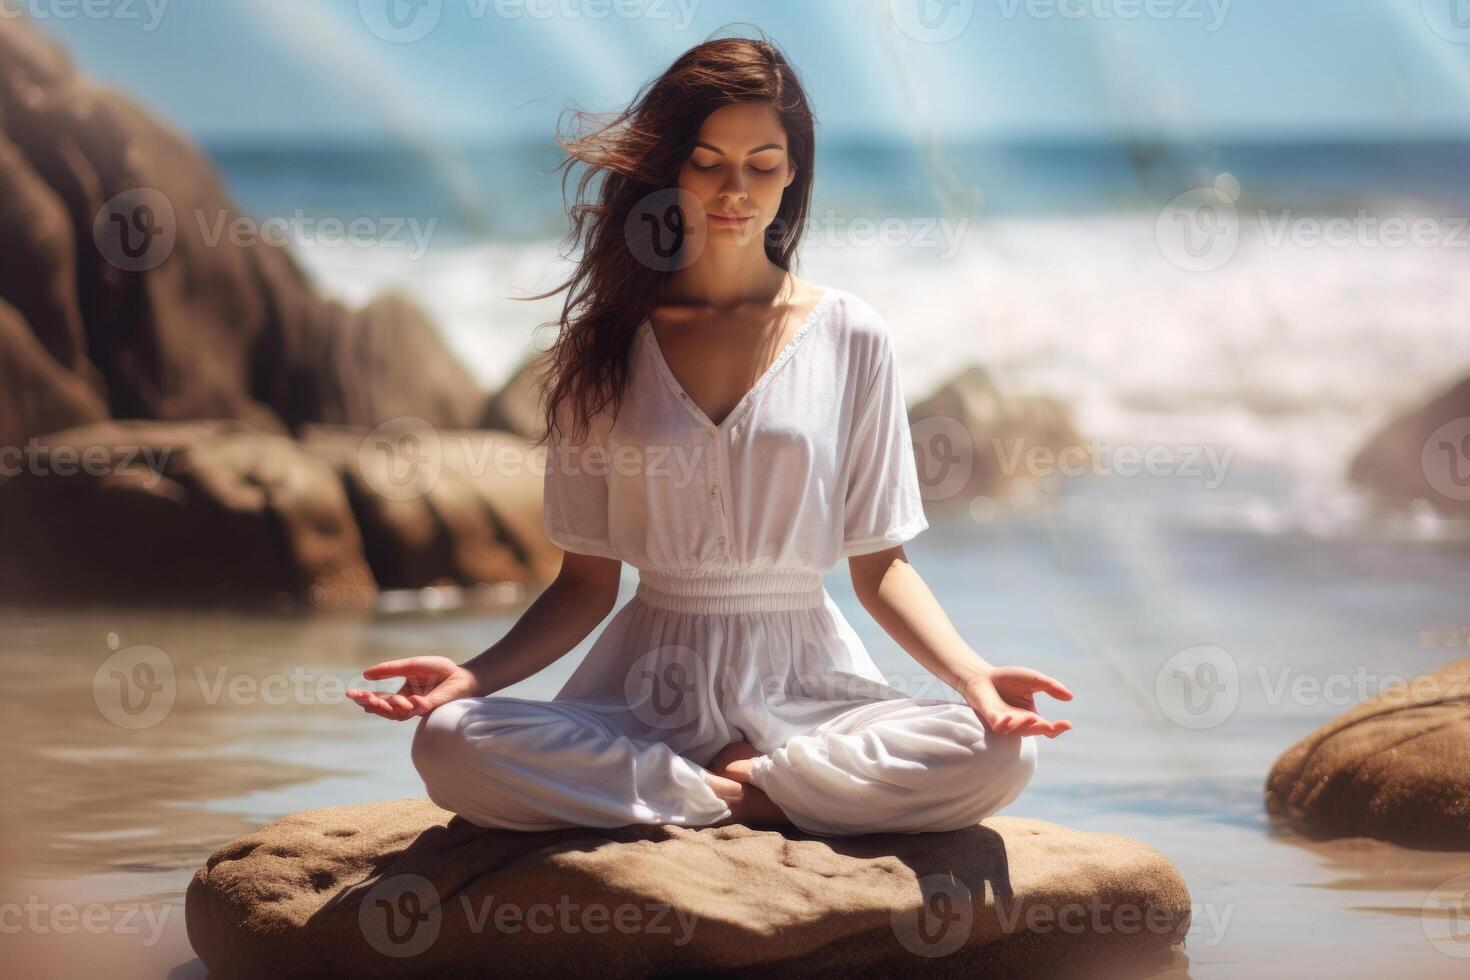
(639, 152)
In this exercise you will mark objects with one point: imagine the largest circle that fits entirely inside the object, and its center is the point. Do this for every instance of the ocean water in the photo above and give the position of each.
(1253, 379)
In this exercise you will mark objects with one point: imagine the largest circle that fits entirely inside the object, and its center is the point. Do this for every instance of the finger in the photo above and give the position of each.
(402, 706)
(1050, 685)
(393, 668)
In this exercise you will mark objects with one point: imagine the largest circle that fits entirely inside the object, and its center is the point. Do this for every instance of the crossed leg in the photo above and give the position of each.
(904, 765)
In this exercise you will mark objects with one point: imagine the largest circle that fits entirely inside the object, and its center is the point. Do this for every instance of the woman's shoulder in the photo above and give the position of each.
(859, 321)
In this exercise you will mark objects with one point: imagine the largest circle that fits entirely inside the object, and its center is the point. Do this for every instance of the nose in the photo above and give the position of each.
(734, 189)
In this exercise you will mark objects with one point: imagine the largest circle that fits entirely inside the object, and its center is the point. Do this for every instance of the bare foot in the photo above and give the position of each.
(733, 761)
(748, 804)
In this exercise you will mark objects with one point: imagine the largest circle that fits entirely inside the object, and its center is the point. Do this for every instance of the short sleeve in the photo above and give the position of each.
(884, 506)
(575, 492)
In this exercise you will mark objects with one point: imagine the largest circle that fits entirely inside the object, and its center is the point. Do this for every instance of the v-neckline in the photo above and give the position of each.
(781, 358)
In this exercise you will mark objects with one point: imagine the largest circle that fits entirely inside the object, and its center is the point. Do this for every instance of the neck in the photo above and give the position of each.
(725, 278)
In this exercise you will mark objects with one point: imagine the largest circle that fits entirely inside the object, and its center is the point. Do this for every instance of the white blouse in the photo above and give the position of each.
(814, 464)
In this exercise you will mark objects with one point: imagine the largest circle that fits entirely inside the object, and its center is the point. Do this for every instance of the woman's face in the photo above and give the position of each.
(738, 170)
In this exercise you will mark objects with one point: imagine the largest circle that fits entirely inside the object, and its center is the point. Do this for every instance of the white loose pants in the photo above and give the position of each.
(678, 675)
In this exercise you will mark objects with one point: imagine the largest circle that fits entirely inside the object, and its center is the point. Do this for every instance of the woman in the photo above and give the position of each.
(731, 431)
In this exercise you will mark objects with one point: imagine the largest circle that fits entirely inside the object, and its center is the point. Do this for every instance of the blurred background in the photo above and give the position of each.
(1179, 291)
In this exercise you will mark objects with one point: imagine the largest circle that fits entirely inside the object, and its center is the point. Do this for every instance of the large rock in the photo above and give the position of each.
(120, 259)
(1423, 454)
(404, 888)
(518, 405)
(1396, 767)
(973, 439)
(455, 507)
(193, 512)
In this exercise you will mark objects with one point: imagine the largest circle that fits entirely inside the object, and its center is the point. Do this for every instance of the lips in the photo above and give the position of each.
(730, 219)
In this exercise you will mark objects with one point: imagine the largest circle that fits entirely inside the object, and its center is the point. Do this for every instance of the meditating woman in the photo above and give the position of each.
(731, 431)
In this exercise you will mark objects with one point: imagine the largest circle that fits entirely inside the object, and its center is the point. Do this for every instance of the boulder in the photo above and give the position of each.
(126, 262)
(968, 434)
(175, 513)
(1423, 454)
(518, 405)
(1396, 767)
(403, 888)
(430, 509)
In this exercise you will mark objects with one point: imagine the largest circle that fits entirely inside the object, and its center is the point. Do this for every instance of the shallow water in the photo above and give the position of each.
(115, 804)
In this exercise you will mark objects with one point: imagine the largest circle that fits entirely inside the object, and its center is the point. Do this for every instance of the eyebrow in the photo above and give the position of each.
(767, 146)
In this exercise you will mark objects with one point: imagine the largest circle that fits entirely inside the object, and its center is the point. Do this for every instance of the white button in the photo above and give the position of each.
(714, 490)
(721, 539)
(711, 430)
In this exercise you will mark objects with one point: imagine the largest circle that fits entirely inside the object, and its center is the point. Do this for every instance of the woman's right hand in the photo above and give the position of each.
(428, 682)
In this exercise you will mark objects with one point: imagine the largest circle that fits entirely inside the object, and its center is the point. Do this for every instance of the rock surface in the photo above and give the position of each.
(972, 438)
(1396, 767)
(1423, 454)
(140, 300)
(404, 888)
(187, 512)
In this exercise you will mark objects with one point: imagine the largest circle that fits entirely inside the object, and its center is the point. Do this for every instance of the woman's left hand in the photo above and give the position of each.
(1005, 699)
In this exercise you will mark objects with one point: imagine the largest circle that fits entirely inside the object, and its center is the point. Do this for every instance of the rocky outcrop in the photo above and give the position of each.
(1423, 454)
(404, 888)
(517, 407)
(138, 299)
(1396, 767)
(972, 439)
(202, 512)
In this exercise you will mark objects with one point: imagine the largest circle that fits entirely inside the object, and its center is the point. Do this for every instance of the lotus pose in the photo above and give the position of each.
(731, 431)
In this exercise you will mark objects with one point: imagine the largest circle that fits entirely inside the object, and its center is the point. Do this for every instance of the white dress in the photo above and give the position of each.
(730, 634)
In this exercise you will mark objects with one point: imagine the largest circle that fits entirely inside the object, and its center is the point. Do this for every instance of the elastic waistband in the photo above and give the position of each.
(781, 589)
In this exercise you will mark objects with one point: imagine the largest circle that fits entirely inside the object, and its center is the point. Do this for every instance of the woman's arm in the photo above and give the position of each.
(582, 594)
(900, 601)
(579, 598)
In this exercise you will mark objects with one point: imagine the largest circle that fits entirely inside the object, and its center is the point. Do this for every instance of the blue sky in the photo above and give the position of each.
(501, 69)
